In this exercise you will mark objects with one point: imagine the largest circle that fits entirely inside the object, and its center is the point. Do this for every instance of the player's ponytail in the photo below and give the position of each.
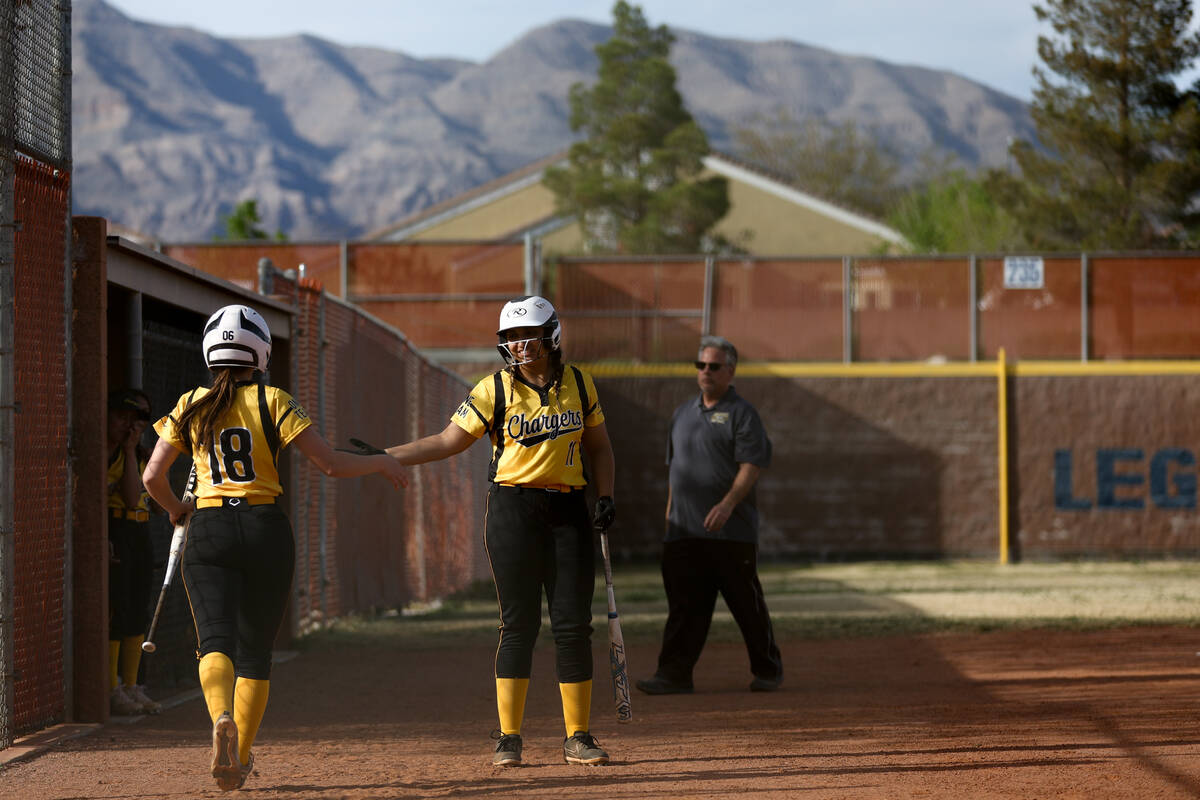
(199, 421)
(556, 369)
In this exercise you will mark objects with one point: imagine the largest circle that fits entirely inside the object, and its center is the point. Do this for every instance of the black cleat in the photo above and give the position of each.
(508, 749)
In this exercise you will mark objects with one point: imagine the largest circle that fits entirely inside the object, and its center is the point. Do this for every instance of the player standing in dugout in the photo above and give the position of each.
(539, 414)
(240, 555)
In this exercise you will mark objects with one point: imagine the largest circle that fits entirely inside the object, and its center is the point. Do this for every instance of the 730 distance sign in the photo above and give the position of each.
(1024, 272)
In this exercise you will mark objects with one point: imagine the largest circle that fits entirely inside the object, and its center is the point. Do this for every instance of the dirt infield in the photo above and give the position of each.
(1023, 714)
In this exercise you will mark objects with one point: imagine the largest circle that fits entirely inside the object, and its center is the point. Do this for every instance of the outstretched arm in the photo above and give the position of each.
(340, 464)
(451, 441)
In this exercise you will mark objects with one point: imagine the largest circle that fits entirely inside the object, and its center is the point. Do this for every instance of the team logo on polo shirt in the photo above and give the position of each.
(529, 432)
(719, 418)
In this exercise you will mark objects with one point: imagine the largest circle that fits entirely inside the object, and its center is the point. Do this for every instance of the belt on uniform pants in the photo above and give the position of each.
(135, 514)
(559, 489)
(234, 502)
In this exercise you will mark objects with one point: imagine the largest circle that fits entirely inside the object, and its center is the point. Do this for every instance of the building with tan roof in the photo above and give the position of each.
(767, 217)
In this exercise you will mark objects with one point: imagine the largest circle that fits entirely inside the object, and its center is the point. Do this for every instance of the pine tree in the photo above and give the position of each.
(1117, 164)
(633, 181)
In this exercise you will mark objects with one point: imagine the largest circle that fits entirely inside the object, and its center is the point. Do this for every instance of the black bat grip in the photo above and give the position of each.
(361, 448)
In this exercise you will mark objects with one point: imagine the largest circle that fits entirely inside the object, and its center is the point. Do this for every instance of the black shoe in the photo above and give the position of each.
(766, 684)
(660, 685)
(508, 749)
(582, 748)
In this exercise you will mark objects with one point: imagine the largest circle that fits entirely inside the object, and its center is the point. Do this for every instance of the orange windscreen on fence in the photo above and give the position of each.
(779, 310)
(911, 309)
(439, 294)
(646, 310)
(238, 263)
(652, 309)
(1035, 323)
(360, 544)
(1145, 307)
(443, 268)
(41, 443)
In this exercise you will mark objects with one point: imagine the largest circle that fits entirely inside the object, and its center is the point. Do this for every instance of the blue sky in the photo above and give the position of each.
(990, 41)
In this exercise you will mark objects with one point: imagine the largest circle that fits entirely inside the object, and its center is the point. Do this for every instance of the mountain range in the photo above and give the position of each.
(172, 127)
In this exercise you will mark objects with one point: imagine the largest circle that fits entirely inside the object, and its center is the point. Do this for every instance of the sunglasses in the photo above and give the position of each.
(708, 365)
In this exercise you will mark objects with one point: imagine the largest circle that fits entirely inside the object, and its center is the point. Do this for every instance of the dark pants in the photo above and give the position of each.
(542, 540)
(237, 569)
(130, 575)
(693, 571)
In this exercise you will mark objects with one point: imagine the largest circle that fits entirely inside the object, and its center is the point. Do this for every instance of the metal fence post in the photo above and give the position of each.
(7, 367)
(343, 269)
(973, 297)
(322, 479)
(847, 310)
(710, 268)
(64, 134)
(1085, 333)
(528, 265)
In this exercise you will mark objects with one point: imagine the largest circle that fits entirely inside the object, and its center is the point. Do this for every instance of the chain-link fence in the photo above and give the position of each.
(35, 162)
(359, 545)
(870, 309)
(441, 294)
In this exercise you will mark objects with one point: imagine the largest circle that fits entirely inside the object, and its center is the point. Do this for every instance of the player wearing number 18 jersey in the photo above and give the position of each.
(238, 561)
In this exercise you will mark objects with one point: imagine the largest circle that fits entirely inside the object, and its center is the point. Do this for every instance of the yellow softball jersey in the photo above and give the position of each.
(116, 469)
(536, 433)
(244, 459)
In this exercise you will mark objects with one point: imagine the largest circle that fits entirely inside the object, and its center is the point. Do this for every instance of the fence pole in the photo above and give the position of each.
(528, 267)
(343, 268)
(322, 479)
(847, 310)
(1002, 449)
(66, 162)
(1085, 333)
(710, 268)
(973, 292)
(538, 282)
(7, 366)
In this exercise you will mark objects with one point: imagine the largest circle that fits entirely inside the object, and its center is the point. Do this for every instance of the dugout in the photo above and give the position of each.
(136, 321)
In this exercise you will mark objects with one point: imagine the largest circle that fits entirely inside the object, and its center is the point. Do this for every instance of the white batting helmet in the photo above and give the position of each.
(237, 336)
(529, 312)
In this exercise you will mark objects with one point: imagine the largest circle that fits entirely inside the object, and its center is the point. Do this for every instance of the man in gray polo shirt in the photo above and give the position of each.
(716, 449)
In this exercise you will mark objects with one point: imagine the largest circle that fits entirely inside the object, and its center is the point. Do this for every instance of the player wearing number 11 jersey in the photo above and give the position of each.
(238, 561)
(542, 416)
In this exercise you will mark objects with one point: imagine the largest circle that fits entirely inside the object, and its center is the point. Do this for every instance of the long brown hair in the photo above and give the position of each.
(198, 423)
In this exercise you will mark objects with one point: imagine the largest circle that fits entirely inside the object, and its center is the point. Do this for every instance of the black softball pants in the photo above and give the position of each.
(237, 569)
(130, 578)
(541, 540)
(694, 571)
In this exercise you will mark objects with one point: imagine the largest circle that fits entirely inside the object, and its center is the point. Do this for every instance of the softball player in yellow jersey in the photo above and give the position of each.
(131, 562)
(542, 416)
(237, 565)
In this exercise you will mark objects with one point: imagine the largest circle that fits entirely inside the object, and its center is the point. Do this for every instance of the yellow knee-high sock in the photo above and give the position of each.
(249, 704)
(216, 681)
(577, 705)
(114, 661)
(131, 657)
(510, 702)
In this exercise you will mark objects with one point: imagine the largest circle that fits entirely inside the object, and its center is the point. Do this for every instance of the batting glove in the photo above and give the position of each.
(606, 512)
